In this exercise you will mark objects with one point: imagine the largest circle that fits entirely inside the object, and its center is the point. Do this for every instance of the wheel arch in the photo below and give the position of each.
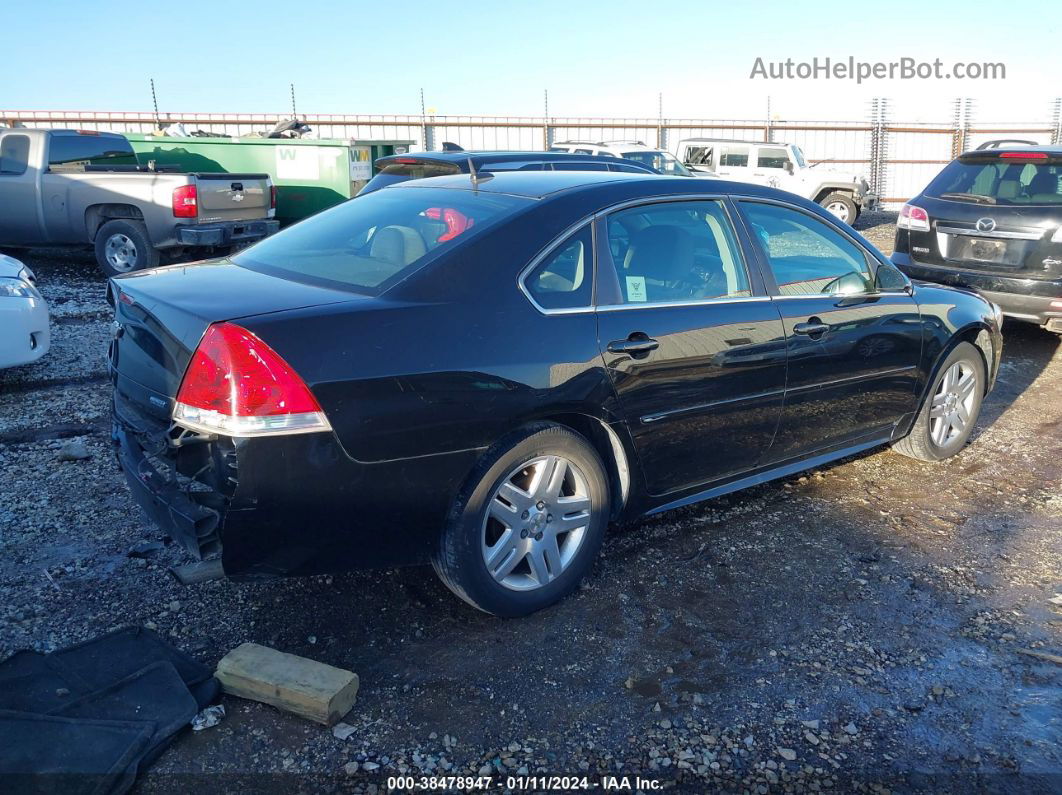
(609, 445)
(826, 190)
(977, 334)
(96, 215)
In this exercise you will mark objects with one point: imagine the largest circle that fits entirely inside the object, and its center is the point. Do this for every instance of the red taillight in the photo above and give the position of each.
(456, 221)
(185, 202)
(237, 385)
(405, 160)
(913, 217)
(272, 197)
(1024, 155)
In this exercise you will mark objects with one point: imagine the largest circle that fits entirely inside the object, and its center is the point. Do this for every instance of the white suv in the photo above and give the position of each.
(842, 193)
(658, 159)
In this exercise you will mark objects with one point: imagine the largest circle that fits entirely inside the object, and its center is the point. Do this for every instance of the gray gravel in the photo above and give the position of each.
(856, 628)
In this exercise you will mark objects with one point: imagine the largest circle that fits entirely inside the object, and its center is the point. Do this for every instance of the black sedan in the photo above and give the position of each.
(485, 373)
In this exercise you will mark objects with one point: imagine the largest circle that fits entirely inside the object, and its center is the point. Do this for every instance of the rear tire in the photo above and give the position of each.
(841, 206)
(955, 397)
(529, 523)
(123, 246)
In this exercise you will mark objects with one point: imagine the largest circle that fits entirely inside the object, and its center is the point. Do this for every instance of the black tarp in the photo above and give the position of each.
(84, 719)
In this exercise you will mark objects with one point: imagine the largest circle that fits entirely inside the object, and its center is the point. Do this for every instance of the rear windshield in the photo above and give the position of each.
(997, 181)
(371, 242)
(400, 172)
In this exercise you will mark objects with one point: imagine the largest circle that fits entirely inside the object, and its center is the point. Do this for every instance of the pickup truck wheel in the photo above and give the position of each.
(123, 247)
(840, 205)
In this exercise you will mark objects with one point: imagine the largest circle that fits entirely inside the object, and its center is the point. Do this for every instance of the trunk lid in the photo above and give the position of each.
(232, 197)
(1018, 242)
(161, 315)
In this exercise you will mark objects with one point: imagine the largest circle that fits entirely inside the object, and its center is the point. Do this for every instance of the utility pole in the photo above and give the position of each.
(661, 134)
(155, 102)
(294, 114)
(546, 142)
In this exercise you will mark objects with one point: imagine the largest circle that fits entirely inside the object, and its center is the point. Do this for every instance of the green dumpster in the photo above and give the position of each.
(310, 175)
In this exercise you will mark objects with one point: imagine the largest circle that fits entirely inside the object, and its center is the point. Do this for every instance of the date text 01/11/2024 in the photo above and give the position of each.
(521, 783)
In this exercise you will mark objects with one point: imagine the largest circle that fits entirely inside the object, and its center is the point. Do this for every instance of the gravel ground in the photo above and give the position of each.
(864, 627)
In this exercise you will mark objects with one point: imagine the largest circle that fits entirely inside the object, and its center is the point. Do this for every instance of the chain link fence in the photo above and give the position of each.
(897, 158)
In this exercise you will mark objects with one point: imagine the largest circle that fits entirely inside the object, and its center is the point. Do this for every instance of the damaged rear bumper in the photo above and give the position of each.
(283, 505)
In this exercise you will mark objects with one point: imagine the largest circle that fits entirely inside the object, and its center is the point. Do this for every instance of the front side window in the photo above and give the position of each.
(672, 252)
(563, 280)
(369, 243)
(14, 154)
(67, 152)
(733, 156)
(772, 157)
(806, 255)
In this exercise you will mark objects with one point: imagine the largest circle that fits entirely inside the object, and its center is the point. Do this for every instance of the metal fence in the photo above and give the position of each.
(897, 158)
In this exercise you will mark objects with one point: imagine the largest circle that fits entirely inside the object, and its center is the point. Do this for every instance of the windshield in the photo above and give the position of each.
(798, 155)
(1000, 181)
(663, 162)
(371, 242)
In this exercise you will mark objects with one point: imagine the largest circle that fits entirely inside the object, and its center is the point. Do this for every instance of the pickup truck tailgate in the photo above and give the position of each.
(232, 197)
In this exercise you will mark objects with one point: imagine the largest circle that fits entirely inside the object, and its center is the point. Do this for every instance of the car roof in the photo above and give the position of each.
(540, 184)
(486, 155)
(1055, 151)
(730, 141)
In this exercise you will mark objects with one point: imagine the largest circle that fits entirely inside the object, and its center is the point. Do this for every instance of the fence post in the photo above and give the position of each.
(879, 145)
(1056, 118)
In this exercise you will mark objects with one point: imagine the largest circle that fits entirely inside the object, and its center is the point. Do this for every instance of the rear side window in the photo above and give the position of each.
(563, 280)
(734, 156)
(998, 181)
(371, 242)
(806, 255)
(14, 154)
(68, 152)
(673, 252)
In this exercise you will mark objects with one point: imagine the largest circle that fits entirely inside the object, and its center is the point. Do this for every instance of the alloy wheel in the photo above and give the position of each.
(839, 209)
(535, 523)
(120, 251)
(952, 404)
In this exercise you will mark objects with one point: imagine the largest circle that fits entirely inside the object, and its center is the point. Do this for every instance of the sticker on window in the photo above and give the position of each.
(636, 289)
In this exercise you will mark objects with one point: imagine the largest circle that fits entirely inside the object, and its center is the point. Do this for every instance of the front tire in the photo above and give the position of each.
(528, 525)
(841, 206)
(950, 409)
(123, 246)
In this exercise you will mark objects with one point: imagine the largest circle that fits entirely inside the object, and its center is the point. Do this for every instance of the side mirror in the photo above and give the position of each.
(890, 279)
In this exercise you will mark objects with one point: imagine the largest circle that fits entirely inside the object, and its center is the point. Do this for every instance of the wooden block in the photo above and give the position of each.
(311, 689)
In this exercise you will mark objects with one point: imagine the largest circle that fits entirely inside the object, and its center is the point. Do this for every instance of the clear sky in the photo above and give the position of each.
(496, 58)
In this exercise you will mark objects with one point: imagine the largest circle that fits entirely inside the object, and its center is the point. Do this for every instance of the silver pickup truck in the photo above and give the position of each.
(71, 187)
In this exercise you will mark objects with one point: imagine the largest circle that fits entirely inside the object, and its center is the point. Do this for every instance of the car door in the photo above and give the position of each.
(734, 161)
(18, 191)
(772, 167)
(853, 349)
(694, 348)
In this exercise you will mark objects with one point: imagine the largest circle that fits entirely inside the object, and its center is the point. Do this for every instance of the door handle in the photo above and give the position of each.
(813, 328)
(634, 345)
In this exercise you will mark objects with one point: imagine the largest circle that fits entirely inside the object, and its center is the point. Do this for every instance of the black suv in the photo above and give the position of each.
(992, 221)
(419, 165)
